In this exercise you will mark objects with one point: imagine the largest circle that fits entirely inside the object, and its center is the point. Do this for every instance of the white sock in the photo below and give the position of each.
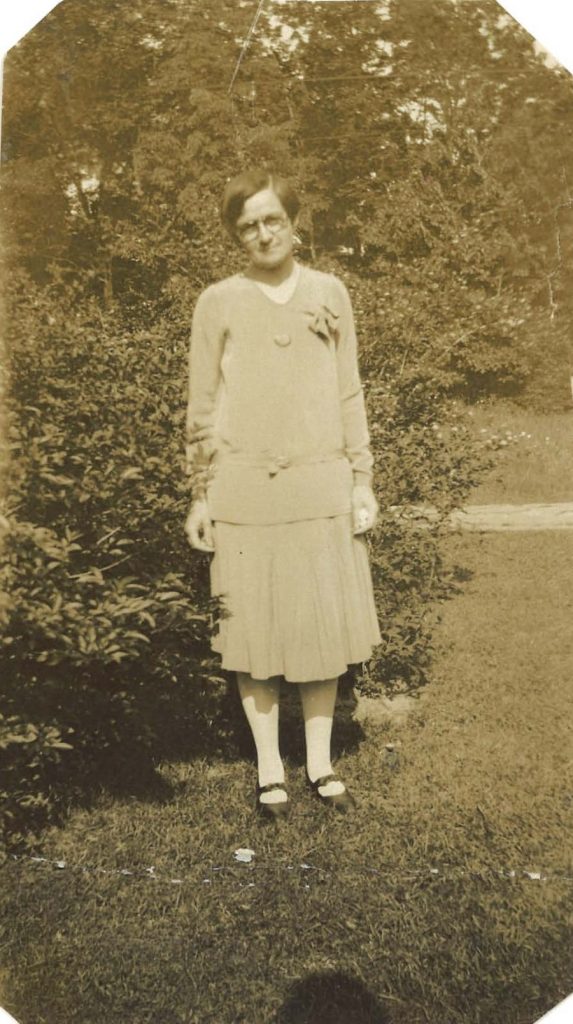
(318, 702)
(260, 700)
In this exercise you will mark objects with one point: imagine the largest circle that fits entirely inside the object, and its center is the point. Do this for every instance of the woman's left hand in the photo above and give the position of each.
(364, 509)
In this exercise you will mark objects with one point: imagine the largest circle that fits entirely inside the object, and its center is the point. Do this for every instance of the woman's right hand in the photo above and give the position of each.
(199, 528)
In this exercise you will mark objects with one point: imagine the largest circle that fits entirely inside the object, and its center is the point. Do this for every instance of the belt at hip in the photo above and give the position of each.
(273, 462)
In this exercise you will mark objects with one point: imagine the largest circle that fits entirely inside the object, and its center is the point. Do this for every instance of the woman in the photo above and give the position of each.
(278, 450)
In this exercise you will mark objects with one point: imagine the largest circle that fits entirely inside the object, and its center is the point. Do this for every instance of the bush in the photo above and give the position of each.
(424, 456)
(105, 613)
(548, 384)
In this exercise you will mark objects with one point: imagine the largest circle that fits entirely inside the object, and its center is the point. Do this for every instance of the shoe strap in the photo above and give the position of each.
(325, 779)
(270, 786)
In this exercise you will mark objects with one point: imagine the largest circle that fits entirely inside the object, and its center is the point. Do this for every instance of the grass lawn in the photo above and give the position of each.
(416, 910)
(396, 915)
(535, 454)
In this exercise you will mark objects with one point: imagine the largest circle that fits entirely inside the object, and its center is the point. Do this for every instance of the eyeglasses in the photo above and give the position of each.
(273, 223)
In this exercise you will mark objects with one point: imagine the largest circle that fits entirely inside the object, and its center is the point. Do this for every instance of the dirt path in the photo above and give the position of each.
(498, 518)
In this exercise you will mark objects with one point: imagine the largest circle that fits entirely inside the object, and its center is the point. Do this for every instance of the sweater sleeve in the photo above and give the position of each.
(205, 353)
(356, 435)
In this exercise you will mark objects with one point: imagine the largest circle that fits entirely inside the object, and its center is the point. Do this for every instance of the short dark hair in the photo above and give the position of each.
(247, 184)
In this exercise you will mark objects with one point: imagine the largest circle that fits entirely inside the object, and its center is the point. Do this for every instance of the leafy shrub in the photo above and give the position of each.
(548, 384)
(105, 613)
(29, 751)
(424, 456)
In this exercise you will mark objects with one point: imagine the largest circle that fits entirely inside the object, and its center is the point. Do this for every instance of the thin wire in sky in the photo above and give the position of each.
(245, 45)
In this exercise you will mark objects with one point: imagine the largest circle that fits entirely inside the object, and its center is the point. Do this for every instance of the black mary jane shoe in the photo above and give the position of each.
(341, 802)
(276, 811)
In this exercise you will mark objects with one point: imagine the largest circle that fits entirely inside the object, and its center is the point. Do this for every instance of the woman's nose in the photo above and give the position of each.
(264, 233)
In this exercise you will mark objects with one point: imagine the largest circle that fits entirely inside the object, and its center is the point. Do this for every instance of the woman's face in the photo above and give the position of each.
(265, 231)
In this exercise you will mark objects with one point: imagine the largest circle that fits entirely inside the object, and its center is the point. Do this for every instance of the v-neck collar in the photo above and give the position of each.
(276, 302)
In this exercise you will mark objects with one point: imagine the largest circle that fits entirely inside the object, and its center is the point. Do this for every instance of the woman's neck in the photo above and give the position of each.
(273, 276)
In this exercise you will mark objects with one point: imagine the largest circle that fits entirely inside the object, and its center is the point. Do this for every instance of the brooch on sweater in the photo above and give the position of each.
(323, 323)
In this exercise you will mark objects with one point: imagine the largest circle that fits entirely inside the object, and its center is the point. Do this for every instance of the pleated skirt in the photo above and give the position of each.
(297, 597)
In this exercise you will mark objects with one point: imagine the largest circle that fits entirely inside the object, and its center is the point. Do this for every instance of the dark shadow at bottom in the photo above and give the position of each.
(331, 997)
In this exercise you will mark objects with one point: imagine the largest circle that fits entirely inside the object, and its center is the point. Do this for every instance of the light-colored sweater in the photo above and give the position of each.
(276, 423)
